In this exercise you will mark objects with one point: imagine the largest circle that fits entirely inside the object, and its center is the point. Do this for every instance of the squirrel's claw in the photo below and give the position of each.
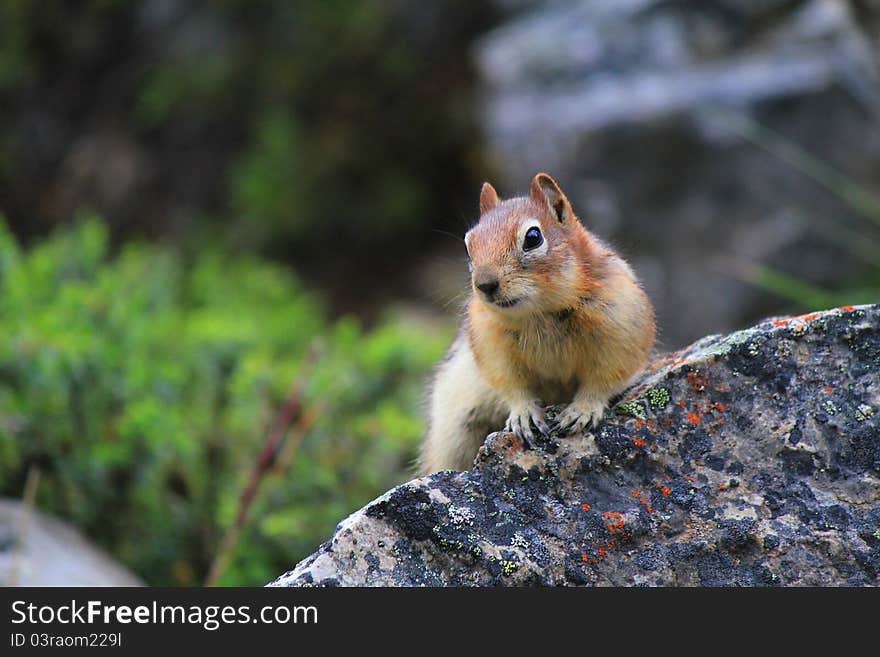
(578, 416)
(520, 422)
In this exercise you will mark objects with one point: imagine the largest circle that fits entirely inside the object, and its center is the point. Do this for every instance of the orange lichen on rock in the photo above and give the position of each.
(510, 440)
(614, 527)
(697, 383)
(803, 319)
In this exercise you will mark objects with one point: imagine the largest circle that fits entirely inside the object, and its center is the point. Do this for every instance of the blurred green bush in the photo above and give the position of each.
(143, 386)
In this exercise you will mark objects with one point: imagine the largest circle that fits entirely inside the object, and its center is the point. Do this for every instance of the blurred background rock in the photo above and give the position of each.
(261, 175)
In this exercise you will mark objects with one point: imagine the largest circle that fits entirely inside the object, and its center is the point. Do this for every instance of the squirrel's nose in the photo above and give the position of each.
(488, 286)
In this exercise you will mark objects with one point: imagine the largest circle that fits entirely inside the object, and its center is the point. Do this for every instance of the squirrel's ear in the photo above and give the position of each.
(544, 190)
(488, 198)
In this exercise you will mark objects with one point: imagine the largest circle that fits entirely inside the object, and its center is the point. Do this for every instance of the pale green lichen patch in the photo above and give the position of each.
(863, 412)
(716, 346)
(519, 541)
(754, 347)
(508, 566)
(447, 544)
(658, 398)
(723, 347)
(631, 409)
(460, 516)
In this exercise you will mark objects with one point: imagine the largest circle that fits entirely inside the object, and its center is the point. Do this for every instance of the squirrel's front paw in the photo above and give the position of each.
(521, 419)
(579, 415)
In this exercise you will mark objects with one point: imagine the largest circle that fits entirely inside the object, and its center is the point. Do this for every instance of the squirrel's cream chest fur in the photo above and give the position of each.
(555, 316)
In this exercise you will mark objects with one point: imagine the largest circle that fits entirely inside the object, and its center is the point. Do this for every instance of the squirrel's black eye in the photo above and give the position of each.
(533, 239)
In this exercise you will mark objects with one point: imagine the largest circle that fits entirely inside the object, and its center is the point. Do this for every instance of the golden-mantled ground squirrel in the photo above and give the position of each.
(555, 316)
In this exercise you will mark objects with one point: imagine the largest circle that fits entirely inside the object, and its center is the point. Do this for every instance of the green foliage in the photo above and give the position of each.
(143, 387)
(266, 182)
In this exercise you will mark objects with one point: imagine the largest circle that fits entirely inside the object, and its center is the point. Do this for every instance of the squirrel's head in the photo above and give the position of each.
(524, 252)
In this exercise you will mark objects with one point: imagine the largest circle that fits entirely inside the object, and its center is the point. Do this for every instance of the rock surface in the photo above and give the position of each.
(39, 550)
(748, 459)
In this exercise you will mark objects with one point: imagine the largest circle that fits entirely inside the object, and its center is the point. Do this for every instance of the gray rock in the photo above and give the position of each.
(39, 550)
(590, 65)
(746, 459)
(639, 108)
